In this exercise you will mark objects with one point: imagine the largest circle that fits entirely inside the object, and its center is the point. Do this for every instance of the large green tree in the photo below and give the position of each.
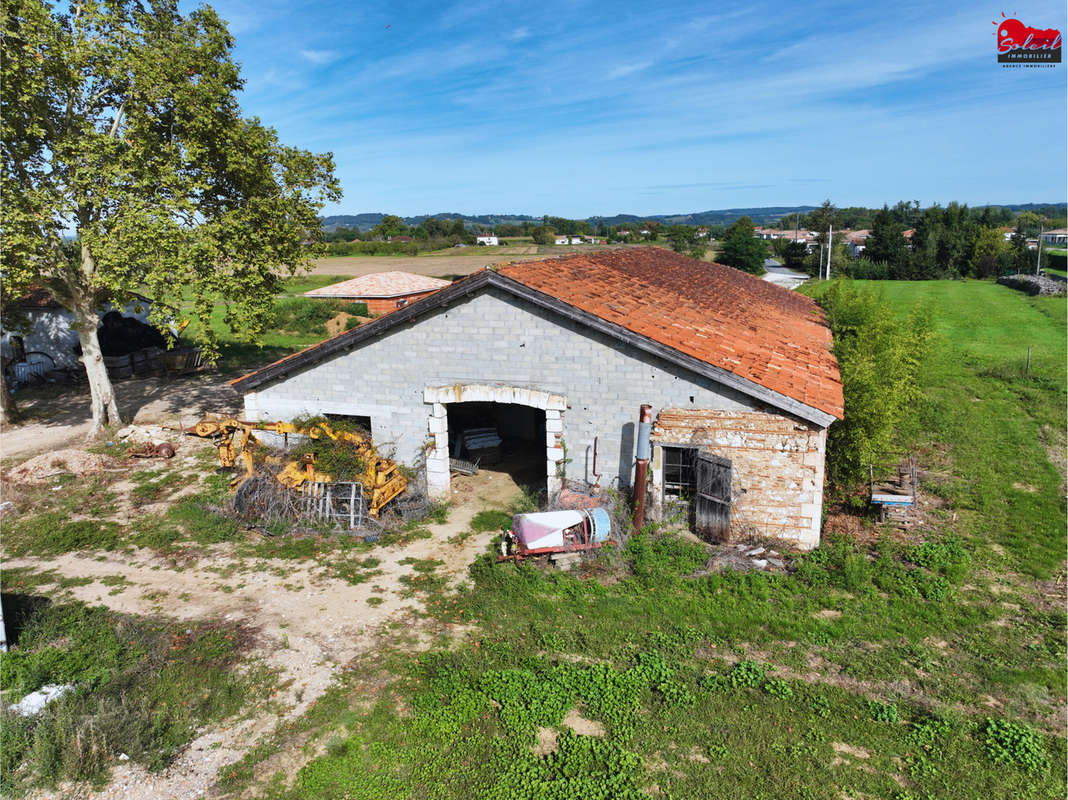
(887, 243)
(121, 126)
(742, 250)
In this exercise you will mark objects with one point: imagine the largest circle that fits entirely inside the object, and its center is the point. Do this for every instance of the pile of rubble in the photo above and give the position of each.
(1034, 284)
(40, 469)
(746, 558)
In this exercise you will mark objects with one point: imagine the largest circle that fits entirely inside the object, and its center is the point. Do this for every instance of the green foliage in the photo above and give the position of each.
(1015, 744)
(309, 315)
(879, 356)
(883, 712)
(123, 121)
(203, 525)
(653, 556)
(52, 533)
(742, 250)
(945, 556)
(491, 521)
(746, 673)
(777, 687)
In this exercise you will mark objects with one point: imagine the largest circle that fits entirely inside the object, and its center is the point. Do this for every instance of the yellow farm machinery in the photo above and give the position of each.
(235, 441)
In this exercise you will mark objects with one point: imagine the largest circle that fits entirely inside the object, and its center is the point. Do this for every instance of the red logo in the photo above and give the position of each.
(1017, 42)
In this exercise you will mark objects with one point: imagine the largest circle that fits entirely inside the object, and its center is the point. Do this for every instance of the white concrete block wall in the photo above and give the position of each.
(496, 339)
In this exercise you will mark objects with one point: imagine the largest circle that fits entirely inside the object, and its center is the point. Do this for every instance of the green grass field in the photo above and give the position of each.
(903, 669)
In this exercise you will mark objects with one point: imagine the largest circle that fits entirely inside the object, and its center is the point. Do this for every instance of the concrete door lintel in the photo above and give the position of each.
(437, 451)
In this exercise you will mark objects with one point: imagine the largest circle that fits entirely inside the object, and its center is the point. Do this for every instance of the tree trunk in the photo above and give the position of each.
(8, 409)
(104, 406)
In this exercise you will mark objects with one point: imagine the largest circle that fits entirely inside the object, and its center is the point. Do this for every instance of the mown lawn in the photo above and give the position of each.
(299, 323)
(920, 668)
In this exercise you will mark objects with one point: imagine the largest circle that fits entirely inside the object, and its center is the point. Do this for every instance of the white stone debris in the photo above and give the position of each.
(33, 704)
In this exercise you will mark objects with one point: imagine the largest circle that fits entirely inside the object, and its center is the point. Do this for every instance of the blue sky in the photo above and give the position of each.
(581, 108)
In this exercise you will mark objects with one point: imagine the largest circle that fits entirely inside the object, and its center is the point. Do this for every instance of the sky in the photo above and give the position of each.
(583, 108)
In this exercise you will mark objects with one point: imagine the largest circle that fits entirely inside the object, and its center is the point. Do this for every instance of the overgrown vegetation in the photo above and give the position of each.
(649, 663)
(141, 687)
(307, 315)
(879, 355)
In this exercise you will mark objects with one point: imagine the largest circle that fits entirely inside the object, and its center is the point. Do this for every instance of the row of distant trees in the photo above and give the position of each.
(946, 242)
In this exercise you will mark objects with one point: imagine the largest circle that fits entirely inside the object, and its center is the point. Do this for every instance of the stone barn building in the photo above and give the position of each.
(553, 359)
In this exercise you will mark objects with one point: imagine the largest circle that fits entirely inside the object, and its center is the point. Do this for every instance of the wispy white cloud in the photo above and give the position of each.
(624, 70)
(320, 57)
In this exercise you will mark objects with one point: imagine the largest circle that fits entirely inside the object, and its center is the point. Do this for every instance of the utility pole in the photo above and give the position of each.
(1038, 259)
(830, 240)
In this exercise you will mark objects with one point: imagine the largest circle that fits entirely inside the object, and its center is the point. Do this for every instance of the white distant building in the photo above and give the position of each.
(1057, 238)
(562, 240)
(488, 239)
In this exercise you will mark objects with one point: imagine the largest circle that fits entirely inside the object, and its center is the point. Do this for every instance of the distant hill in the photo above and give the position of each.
(763, 215)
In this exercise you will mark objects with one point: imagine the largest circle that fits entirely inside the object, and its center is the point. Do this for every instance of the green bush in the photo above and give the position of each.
(1013, 743)
(946, 557)
(883, 712)
(879, 357)
(309, 315)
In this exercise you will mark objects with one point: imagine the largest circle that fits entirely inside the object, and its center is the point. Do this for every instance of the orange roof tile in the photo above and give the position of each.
(764, 333)
(380, 284)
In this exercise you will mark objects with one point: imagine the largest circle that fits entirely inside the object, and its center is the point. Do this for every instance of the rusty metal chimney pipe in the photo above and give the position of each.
(641, 465)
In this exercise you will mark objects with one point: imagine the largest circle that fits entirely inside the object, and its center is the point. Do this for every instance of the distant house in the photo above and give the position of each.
(381, 291)
(401, 239)
(487, 239)
(856, 241)
(562, 240)
(1056, 238)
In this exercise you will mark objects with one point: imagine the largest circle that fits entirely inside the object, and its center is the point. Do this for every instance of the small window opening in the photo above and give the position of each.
(679, 472)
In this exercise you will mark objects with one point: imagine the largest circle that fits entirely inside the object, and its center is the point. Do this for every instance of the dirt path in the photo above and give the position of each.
(57, 417)
(309, 624)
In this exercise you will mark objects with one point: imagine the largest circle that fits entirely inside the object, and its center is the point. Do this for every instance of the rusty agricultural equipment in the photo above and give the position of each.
(556, 532)
(235, 440)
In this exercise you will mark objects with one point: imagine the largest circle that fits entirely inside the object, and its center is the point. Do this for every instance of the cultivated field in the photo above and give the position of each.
(888, 663)
(438, 264)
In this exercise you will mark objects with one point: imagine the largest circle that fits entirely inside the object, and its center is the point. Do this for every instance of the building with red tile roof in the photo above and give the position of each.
(383, 292)
(557, 355)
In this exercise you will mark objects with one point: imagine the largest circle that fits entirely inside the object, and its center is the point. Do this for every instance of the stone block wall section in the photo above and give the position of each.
(777, 468)
(437, 458)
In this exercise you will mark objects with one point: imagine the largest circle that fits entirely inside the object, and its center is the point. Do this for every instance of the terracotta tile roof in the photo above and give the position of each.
(771, 336)
(380, 284)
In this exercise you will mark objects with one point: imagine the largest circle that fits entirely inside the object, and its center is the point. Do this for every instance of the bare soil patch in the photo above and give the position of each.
(48, 465)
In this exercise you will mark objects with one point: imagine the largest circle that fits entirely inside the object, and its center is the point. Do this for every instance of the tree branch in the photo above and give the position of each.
(118, 116)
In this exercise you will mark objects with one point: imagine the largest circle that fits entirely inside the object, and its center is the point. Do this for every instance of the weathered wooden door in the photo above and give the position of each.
(712, 497)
